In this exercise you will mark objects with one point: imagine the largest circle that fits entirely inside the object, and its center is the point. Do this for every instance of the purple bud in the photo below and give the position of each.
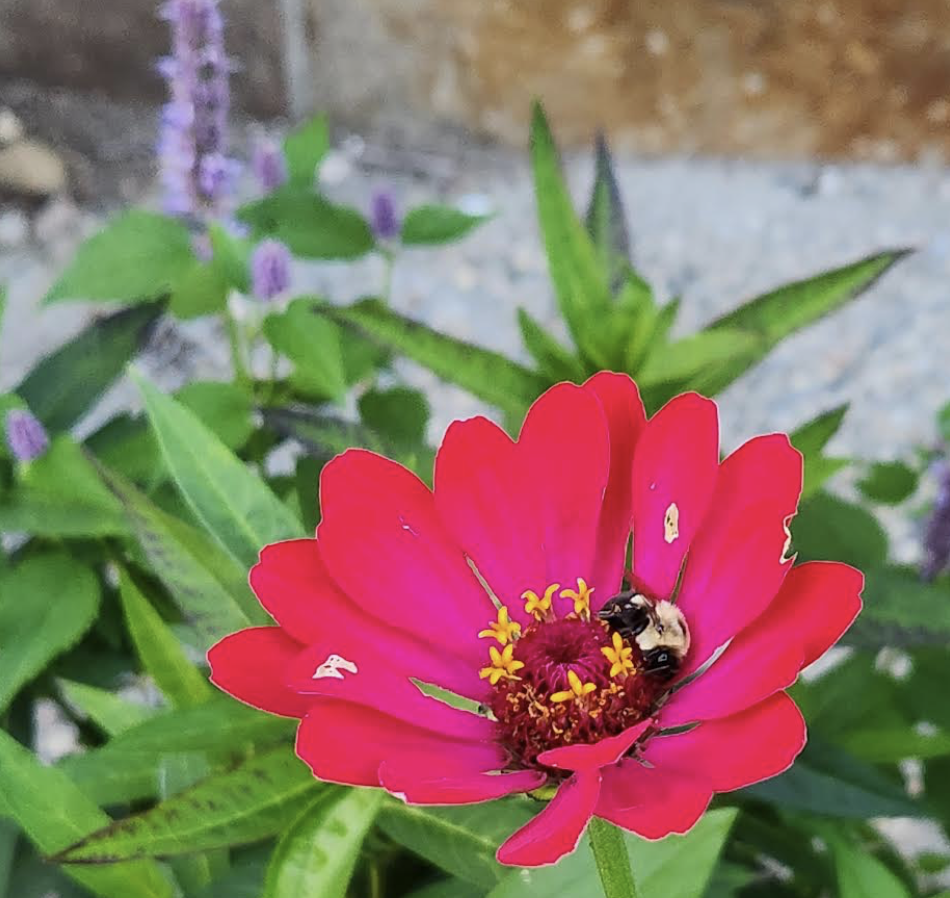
(385, 221)
(937, 534)
(26, 437)
(269, 164)
(270, 269)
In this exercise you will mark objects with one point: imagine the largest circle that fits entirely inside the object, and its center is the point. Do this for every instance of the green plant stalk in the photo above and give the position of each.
(613, 863)
(241, 374)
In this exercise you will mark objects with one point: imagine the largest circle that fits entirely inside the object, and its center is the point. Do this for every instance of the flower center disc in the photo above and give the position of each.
(579, 683)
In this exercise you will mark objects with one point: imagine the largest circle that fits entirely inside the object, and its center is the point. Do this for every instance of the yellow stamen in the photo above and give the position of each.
(503, 664)
(540, 607)
(577, 690)
(580, 597)
(619, 657)
(504, 630)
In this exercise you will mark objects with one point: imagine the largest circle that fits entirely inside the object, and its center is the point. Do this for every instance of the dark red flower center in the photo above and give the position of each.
(566, 680)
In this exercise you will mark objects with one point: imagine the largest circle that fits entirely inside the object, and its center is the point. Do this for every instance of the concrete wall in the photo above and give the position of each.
(785, 78)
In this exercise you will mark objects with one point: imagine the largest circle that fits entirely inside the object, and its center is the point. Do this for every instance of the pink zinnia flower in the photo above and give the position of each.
(490, 587)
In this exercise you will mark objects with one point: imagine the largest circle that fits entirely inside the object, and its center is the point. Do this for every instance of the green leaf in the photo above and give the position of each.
(827, 780)
(901, 610)
(554, 360)
(311, 226)
(64, 385)
(304, 149)
(433, 225)
(583, 293)
(231, 255)
(828, 527)
(159, 650)
(138, 256)
(399, 413)
(778, 314)
(54, 813)
(674, 867)
(943, 422)
(312, 343)
(318, 854)
(46, 604)
(224, 408)
(323, 435)
(201, 289)
(483, 373)
(889, 482)
(251, 802)
(812, 437)
(861, 875)
(448, 888)
(687, 362)
(459, 840)
(61, 495)
(893, 744)
(234, 504)
(206, 583)
(110, 712)
(606, 219)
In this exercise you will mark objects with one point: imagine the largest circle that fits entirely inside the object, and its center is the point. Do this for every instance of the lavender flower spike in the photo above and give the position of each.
(385, 220)
(937, 534)
(270, 269)
(26, 437)
(269, 165)
(196, 172)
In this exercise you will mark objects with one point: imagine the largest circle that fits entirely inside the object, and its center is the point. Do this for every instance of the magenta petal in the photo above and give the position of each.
(674, 474)
(343, 742)
(422, 787)
(386, 547)
(626, 421)
(557, 830)
(670, 807)
(599, 754)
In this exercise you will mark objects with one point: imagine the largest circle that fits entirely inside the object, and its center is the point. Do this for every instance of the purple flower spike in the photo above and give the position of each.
(270, 269)
(269, 164)
(26, 437)
(196, 173)
(385, 221)
(937, 534)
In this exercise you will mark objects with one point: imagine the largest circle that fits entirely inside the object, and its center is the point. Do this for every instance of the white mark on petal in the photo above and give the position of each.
(671, 523)
(332, 668)
(785, 557)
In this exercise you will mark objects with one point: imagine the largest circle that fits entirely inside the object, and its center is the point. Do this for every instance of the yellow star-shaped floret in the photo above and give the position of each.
(580, 597)
(504, 630)
(503, 664)
(540, 606)
(619, 656)
(577, 690)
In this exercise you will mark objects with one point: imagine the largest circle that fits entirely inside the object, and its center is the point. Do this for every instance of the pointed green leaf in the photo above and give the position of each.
(47, 603)
(54, 813)
(861, 875)
(685, 363)
(312, 343)
(555, 361)
(138, 256)
(318, 854)
(304, 149)
(206, 583)
(433, 225)
(60, 494)
(460, 840)
(484, 373)
(234, 504)
(159, 650)
(889, 482)
(201, 289)
(583, 293)
(606, 219)
(778, 314)
(827, 527)
(251, 802)
(65, 385)
(890, 745)
(812, 437)
(110, 712)
(398, 413)
(311, 226)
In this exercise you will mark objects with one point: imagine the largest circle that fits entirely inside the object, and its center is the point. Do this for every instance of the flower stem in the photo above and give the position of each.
(613, 863)
(237, 352)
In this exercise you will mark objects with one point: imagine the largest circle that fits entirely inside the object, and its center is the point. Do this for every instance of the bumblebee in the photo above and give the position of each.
(658, 628)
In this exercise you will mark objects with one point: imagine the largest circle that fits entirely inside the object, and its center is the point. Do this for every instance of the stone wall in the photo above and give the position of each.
(775, 78)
